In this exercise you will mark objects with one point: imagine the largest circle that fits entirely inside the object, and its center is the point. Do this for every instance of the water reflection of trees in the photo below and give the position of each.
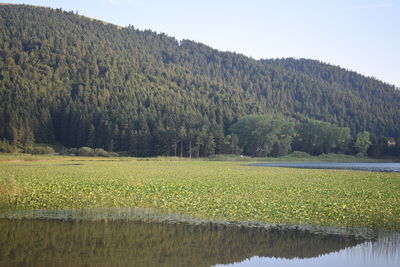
(30, 242)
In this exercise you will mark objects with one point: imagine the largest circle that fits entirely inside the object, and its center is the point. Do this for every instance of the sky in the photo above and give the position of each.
(359, 35)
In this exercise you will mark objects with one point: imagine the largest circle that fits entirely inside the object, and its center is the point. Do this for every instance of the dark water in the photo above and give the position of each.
(71, 240)
(380, 167)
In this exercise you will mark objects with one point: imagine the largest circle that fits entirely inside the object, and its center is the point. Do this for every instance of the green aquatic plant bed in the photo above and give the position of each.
(207, 189)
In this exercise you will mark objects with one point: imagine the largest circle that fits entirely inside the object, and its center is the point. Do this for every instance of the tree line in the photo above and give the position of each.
(273, 136)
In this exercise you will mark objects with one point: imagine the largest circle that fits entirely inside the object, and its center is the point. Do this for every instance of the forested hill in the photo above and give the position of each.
(77, 81)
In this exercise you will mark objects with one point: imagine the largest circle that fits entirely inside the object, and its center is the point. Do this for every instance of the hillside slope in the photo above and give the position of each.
(77, 81)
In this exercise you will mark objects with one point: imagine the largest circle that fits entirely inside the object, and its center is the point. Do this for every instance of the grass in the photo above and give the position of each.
(205, 189)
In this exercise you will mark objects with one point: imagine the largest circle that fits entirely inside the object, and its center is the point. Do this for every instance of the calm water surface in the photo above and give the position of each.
(362, 166)
(384, 252)
(68, 239)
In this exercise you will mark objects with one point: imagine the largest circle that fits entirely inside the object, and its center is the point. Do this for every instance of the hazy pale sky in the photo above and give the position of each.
(360, 35)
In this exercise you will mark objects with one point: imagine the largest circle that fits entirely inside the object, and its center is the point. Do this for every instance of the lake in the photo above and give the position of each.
(121, 238)
(360, 166)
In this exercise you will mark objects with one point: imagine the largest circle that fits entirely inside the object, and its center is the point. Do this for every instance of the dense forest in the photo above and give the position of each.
(70, 80)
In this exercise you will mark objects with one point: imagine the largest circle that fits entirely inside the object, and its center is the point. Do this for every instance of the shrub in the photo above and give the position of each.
(71, 151)
(360, 155)
(41, 150)
(113, 154)
(6, 147)
(299, 154)
(85, 151)
(101, 152)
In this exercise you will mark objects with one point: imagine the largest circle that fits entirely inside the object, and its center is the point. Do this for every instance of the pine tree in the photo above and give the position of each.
(91, 139)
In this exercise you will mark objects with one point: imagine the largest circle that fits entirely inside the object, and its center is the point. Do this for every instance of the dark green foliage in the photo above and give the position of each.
(91, 142)
(25, 141)
(264, 135)
(363, 142)
(269, 135)
(397, 147)
(379, 146)
(80, 82)
(317, 137)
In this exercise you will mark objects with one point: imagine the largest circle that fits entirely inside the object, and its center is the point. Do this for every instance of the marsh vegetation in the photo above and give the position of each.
(206, 189)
